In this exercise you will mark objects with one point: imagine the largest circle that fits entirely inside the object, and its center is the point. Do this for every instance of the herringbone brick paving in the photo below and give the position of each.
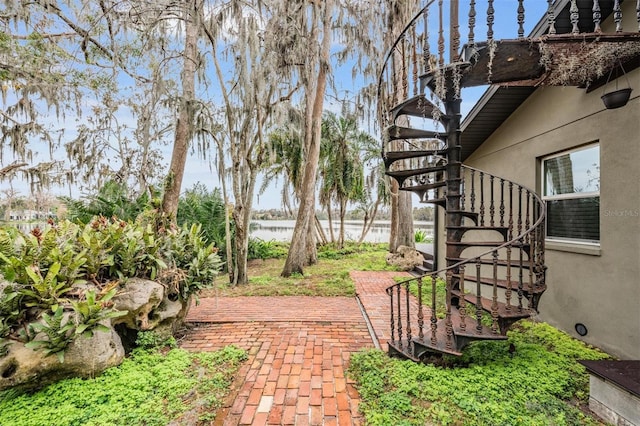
(299, 350)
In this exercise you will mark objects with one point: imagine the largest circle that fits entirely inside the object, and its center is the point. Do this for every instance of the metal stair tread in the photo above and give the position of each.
(502, 283)
(438, 201)
(417, 106)
(414, 172)
(428, 79)
(479, 228)
(440, 345)
(501, 262)
(394, 132)
(503, 312)
(401, 347)
(471, 330)
(515, 244)
(425, 186)
(390, 157)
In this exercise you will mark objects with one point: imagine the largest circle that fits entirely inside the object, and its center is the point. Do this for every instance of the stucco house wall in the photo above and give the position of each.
(596, 285)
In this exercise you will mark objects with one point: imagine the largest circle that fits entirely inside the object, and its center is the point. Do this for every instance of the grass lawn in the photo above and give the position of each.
(329, 277)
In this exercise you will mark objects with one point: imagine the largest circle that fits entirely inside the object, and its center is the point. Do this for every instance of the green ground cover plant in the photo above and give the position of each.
(538, 384)
(152, 387)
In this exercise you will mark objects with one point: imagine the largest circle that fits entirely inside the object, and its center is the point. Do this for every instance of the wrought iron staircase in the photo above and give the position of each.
(495, 228)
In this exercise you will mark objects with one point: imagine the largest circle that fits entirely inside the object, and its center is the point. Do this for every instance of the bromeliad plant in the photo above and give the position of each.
(59, 280)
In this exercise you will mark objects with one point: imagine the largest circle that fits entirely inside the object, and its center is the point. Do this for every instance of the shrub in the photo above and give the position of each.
(260, 249)
(67, 267)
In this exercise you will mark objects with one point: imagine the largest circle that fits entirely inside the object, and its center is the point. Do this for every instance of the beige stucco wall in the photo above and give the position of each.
(600, 289)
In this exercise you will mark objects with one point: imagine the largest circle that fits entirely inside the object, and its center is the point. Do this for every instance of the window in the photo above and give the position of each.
(571, 188)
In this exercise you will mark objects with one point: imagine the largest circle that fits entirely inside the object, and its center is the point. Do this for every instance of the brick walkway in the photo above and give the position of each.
(299, 349)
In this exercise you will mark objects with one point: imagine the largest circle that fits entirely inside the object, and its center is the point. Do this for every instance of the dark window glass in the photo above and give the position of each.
(576, 219)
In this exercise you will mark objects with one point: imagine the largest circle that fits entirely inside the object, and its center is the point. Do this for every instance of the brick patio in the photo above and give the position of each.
(299, 349)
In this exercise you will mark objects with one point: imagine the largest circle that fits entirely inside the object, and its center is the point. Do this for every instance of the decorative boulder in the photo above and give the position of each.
(141, 298)
(149, 306)
(29, 369)
(405, 259)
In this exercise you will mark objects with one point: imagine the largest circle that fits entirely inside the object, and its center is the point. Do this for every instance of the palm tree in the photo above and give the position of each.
(285, 159)
(341, 166)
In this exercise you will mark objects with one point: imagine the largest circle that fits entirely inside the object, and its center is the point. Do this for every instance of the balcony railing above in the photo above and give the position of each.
(451, 44)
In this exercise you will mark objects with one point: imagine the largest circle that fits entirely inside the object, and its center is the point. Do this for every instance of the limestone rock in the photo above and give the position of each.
(405, 259)
(141, 298)
(86, 357)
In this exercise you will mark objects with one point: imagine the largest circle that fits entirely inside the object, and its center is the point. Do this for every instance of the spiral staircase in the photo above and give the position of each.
(495, 228)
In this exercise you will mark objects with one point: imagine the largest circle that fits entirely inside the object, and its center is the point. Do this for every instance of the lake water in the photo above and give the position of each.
(282, 230)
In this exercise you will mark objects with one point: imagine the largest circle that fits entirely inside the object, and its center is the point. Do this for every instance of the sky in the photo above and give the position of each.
(198, 170)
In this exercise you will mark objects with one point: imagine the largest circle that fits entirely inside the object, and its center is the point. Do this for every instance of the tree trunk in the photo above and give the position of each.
(368, 220)
(343, 211)
(321, 234)
(393, 232)
(183, 132)
(302, 250)
(405, 236)
(330, 219)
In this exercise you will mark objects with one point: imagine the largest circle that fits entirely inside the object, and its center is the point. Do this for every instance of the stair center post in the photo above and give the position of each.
(453, 215)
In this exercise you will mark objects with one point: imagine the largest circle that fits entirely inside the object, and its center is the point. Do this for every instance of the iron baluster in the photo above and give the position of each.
(638, 14)
(434, 319)
(414, 60)
(472, 25)
(462, 193)
(408, 307)
(490, 19)
(481, 198)
(520, 18)
(501, 202)
(551, 18)
(478, 298)
(394, 79)
(617, 15)
(447, 322)
(520, 277)
(531, 263)
(405, 76)
(492, 205)
(440, 35)
(519, 210)
(574, 17)
(510, 232)
(473, 191)
(597, 16)
(527, 214)
(508, 291)
(462, 304)
(400, 344)
(393, 328)
(494, 297)
(420, 311)
(426, 54)
(455, 30)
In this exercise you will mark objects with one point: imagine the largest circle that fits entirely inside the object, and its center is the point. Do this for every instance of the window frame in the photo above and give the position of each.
(568, 196)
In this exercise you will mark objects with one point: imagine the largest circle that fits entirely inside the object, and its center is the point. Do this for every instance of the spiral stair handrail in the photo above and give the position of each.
(540, 222)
